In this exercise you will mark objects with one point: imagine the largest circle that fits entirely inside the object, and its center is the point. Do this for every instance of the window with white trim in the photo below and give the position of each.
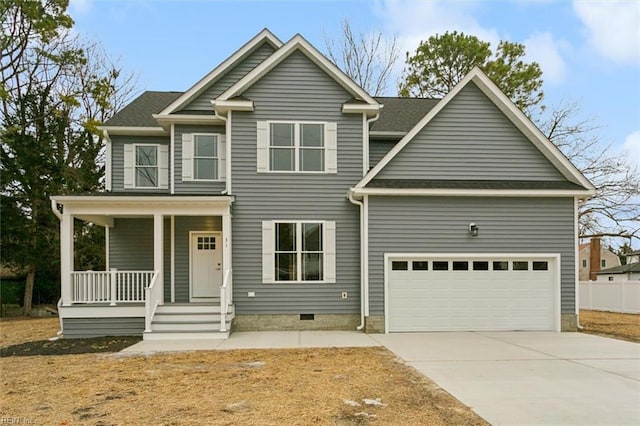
(298, 251)
(146, 166)
(203, 157)
(304, 147)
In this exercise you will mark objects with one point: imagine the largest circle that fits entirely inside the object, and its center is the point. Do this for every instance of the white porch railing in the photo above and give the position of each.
(225, 299)
(153, 296)
(111, 287)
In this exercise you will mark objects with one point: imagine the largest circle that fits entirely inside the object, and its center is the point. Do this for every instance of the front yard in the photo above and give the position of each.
(611, 324)
(348, 386)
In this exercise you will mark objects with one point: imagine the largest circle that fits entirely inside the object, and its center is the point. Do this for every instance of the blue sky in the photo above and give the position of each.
(589, 51)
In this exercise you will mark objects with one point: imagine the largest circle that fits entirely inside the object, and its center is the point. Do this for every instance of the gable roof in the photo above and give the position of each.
(264, 36)
(297, 43)
(139, 113)
(504, 104)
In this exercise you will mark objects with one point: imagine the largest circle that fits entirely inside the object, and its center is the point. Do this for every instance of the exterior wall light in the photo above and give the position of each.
(473, 229)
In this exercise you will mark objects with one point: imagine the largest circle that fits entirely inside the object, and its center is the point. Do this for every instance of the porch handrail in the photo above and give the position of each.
(152, 300)
(111, 287)
(225, 299)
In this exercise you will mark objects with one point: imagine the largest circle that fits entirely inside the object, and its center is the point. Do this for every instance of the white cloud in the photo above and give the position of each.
(613, 28)
(632, 147)
(543, 49)
(79, 7)
(416, 21)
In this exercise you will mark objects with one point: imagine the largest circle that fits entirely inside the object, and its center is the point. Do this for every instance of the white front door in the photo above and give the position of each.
(206, 265)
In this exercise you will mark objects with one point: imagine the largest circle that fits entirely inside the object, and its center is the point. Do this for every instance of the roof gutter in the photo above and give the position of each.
(54, 207)
(460, 192)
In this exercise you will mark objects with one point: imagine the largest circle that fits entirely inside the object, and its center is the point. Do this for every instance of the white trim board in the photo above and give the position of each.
(504, 104)
(135, 131)
(263, 36)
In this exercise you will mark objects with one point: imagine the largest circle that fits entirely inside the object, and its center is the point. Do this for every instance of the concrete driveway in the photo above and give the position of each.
(530, 377)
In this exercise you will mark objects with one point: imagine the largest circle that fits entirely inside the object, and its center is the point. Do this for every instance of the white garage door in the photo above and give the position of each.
(458, 293)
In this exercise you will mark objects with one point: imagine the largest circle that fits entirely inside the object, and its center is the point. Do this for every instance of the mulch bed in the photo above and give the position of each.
(70, 346)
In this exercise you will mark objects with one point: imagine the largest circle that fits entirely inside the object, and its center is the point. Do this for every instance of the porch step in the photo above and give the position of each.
(187, 335)
(189, 308)
(189, 321)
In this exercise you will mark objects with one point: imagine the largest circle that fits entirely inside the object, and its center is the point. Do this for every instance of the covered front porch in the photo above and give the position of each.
(169, 269)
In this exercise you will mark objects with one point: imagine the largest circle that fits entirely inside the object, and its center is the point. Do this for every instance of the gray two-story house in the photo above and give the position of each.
(276, 194)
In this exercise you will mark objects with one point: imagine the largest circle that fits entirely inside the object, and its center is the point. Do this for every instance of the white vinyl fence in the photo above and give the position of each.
(614, 296)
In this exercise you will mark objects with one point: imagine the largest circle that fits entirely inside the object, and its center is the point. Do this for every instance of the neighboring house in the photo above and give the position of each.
(628, 272)
(277, 194)
(633, 257)
(591, 261)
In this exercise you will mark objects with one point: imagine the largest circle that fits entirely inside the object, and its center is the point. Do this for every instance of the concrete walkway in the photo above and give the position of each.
(530, 377)
(507, 378)
(260, 340)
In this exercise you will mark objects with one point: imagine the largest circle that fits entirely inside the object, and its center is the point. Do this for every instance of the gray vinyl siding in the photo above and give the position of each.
(190, 187)
(439, 225)
(378, 149)
(75, 328)
(295, 90)
(131, 244)
(470, 139)
(131, 248)
(183, 226)
(203, 102)
(117, 160)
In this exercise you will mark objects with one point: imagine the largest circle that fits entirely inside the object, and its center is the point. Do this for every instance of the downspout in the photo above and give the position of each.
(56, 212)
(365, 137)
(227, 145)
(362, 282)
(576, 205)
(107, 163)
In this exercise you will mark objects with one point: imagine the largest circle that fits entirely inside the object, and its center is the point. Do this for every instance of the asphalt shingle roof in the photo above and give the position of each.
(469, 184)
(139, 112)
(622, 269)
(401, 114)
(398, 114)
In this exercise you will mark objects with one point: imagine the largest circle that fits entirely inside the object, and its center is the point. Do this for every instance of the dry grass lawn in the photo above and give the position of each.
(20, 330)
(622, 326)
(249, 387)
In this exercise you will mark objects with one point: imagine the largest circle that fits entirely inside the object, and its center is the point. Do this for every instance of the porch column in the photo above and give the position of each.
(66, 257)
(226, 250)
(158, 248)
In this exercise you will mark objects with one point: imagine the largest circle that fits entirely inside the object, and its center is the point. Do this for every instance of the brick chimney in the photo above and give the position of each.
(594, 258)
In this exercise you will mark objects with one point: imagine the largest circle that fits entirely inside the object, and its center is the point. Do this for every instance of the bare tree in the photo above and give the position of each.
(369, 59)
(615, 209)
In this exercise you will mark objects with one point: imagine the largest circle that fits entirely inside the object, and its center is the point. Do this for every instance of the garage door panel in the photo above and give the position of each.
(468, 300)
